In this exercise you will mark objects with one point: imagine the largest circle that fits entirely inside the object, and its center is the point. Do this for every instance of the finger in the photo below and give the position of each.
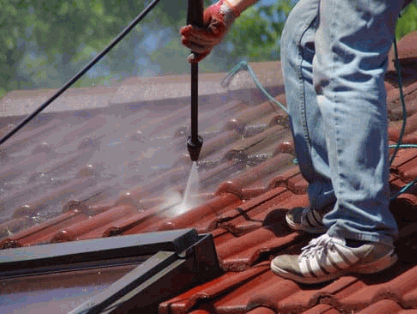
(185, 30)
(193, 58)
(196, 47)
(202, 38)
(202, 41)
(210, 35)
(214, 30)
(194, 42)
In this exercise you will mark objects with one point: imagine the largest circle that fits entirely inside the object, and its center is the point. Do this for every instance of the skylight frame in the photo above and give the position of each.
(170, 255)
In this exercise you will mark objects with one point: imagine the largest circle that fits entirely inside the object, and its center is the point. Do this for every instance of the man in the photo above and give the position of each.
(334, 57)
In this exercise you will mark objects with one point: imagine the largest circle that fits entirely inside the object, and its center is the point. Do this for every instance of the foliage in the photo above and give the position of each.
(408, 20)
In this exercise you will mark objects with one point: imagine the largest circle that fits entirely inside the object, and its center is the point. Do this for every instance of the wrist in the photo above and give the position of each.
(239, 6)
(229, 14)
(228, 6)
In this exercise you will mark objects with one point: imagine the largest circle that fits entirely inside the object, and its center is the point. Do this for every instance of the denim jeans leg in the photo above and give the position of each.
(297, 52)
(352, 43)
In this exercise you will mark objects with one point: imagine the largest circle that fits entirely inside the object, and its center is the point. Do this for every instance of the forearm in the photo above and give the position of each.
(240, 5)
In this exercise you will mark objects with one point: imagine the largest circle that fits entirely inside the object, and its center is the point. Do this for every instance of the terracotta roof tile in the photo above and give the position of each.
(216, 143)
(261, 310)
(271, 166)
(208, 291)
(411, 127)
(244, 118)
(92, 224)
(322, 309)
(58, 196)
(209, 212)
(210, 178)
(407, 55)
(43, 233)
(400, 281)
(403, 156)
(265, 290)
(200, 311)
(259, 205)
(242, 252)
(410, 298)
(383, 307)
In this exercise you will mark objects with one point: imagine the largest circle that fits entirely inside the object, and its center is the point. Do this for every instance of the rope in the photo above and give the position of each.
(403, 190)
(404, 146)
(243, 65)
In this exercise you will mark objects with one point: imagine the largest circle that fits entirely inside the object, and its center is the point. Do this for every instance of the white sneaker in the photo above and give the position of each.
(305, 219)
(326, 258)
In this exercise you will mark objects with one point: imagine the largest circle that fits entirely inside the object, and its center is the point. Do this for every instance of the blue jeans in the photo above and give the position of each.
(334, 58)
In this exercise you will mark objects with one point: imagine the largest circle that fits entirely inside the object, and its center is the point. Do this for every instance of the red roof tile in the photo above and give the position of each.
(322, 309)
(384, 306)
(261, 310)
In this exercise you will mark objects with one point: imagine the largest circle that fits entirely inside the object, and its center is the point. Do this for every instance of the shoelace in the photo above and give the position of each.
(317, 246)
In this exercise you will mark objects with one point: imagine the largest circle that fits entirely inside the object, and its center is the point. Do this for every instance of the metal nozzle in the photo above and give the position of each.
(194, 148)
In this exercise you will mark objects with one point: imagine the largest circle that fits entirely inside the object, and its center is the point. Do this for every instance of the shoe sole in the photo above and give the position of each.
(370, 268)
(299, 227)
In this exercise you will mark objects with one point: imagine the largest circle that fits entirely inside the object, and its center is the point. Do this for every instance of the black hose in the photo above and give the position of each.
(83, 71)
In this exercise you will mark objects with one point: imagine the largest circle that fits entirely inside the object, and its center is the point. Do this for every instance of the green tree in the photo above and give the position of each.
(408, 20)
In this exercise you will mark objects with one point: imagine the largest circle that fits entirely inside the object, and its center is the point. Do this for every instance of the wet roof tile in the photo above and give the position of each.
(261, 310)
(322, 309)
(123, 168)
(383, 307)
(91, 227)
(43, 232)
(210, 290)
(371, 291)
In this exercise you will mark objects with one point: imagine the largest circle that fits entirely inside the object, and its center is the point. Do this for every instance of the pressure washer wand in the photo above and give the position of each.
(194, 142)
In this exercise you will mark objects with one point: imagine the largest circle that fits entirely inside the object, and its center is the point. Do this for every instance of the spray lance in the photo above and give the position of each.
(194, 142)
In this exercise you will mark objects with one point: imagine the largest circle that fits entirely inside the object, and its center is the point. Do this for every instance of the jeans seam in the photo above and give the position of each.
(301, 78)
(337, 133)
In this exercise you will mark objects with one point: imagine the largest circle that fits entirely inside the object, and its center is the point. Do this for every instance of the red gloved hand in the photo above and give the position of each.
(217, 20)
